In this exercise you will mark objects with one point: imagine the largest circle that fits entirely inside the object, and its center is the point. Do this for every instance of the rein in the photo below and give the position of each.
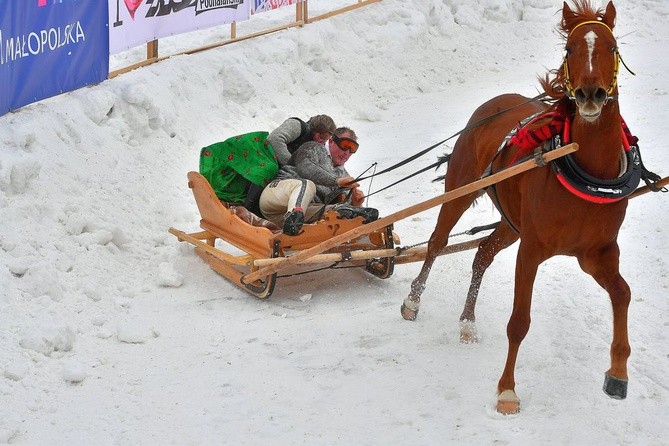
(444, 158)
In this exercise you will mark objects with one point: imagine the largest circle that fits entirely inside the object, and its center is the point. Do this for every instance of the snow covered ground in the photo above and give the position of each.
(112, 332)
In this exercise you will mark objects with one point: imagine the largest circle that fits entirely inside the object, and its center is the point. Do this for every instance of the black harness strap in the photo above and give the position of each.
(648, 177)
(494, 197)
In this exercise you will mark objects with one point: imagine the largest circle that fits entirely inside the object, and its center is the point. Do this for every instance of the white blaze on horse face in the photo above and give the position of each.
(590, 40)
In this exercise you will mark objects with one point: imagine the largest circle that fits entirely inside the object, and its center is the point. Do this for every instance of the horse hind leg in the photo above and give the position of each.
(604, 268)
(449, 215)
(502, 237)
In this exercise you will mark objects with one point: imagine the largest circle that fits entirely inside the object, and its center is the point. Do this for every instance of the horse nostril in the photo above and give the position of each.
(597, 95)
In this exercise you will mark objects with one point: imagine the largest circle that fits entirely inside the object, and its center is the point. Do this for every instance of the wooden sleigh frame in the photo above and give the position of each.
(370, 246)
(258, 243)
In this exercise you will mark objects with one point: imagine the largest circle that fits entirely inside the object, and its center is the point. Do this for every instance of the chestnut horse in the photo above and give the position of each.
(536, 207)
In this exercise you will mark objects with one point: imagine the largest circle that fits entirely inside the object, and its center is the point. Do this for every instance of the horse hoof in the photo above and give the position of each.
(468, 333)
(615, 387)
(408, 314)
(508, 403)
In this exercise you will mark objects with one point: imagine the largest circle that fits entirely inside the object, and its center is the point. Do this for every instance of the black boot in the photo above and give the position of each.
(348, 211)
(293, 221)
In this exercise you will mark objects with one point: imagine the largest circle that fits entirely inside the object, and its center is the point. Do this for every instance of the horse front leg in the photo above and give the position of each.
(448, 217)
(527, 264)
(603, 267)
(411, 304)
(502, 237)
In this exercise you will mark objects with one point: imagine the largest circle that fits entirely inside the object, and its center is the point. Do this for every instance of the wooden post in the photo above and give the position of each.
(298, 12)
(233, 30)
(305, 11)
(152, 50)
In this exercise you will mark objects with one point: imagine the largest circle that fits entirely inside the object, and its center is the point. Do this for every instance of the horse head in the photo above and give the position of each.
(590, 66)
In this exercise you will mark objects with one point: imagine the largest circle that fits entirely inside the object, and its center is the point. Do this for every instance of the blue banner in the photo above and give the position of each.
(49, 47)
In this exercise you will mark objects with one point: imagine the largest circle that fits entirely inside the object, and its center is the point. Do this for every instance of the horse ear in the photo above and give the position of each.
(567, 13)
(610, 15)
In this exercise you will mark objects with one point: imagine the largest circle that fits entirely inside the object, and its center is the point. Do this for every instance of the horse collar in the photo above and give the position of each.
(592, 189)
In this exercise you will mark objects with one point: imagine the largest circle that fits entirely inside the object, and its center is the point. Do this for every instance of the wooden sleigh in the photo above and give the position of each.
(250, 256)
(250, 246)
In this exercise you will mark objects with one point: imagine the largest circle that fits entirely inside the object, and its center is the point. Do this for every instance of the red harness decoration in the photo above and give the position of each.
(568, 173)
(528, 139)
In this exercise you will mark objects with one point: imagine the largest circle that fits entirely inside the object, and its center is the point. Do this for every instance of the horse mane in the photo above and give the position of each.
(583, 12)
(553, 82)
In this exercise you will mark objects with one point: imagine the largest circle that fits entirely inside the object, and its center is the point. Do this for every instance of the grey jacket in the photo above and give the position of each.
(312, 162)
(279, 138)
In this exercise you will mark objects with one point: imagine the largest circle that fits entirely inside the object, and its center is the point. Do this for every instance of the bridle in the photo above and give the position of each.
(614, 82)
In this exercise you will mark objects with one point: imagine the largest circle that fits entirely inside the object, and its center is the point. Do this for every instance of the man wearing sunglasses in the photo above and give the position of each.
(312, 181)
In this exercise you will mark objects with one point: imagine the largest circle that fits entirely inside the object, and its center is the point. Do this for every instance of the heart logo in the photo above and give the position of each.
(132, 6)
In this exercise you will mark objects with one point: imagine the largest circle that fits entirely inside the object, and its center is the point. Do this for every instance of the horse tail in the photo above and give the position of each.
(441, 160)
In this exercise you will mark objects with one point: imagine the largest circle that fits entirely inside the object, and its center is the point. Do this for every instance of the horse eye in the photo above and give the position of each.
(614, 49)
(567, 50)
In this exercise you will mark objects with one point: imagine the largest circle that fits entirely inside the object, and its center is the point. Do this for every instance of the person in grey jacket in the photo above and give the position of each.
(285, 140)
(314, 177)
(293, 132)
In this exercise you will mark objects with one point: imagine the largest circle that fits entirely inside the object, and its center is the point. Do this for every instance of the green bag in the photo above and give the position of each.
(230, 165)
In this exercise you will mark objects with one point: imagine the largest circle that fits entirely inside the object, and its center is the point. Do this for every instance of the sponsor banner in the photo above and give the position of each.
(49, 47)
(136, 22)
(267, 5)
